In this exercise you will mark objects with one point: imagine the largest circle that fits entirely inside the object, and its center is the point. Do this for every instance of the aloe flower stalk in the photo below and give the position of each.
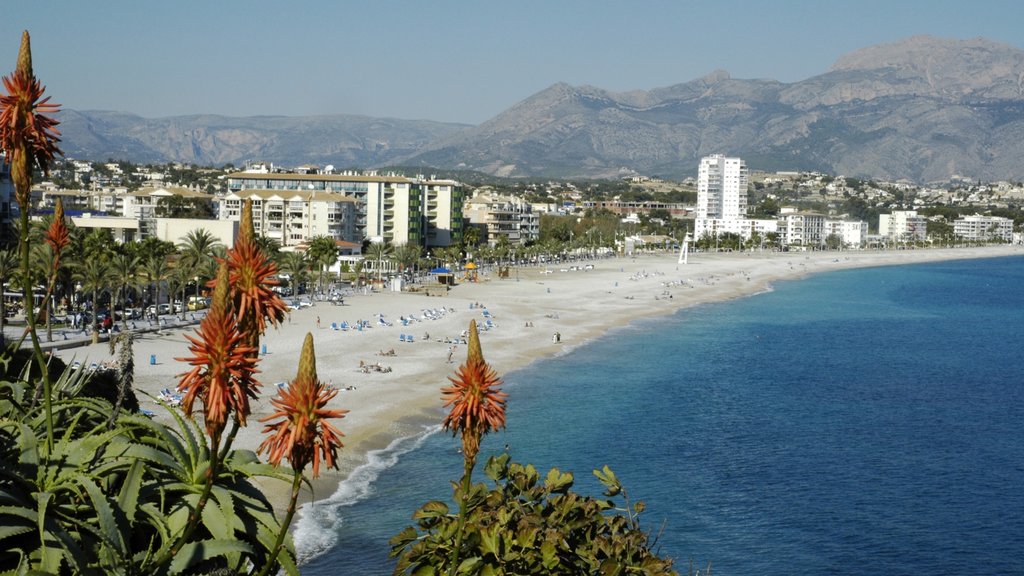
(301, 433)
(252, 281)
(477, 407)
(223, 366)
(28, 137)
(57, 238)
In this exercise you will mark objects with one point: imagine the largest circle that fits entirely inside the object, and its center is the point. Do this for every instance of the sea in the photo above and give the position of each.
(852, 422)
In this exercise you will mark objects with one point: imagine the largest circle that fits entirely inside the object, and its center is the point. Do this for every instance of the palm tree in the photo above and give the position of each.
(124, 272)
(8, 271)
(323, 253)
(379, 252)
(295, 265)
(407, 255)
(95, 276)
(198, 247)
(157, 270)
(198, 251)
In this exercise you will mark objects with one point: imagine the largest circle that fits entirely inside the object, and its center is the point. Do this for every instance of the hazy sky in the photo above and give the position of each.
(454, 61)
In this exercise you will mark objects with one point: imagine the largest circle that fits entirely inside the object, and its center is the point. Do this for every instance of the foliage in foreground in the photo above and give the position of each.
(111, 498)
(523, 525)
(529, 525)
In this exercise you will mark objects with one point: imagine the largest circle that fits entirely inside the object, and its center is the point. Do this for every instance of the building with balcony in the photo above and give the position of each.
(984, 228)
(903, 225)
(721, 188)
(396, 209)
(293, 217)
(501, 216)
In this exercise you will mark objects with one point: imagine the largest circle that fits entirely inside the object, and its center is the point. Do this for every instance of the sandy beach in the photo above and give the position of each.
(536, 313)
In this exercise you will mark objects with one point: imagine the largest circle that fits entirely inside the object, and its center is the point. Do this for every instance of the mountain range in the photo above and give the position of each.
(923, 109)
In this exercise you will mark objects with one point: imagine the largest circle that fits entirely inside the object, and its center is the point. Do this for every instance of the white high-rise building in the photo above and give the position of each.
(721, 188)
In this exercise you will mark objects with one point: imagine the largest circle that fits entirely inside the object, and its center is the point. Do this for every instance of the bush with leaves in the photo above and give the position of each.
(522, 525)
(529, 525)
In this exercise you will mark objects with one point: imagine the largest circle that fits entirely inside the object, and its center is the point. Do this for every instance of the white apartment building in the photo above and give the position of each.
(903, 225)
(501, 216)
(424, 212)
(853, 233)
(745, 228)
(722, 197)
(802, 229)
(984, 228)
(293, 217)
(721, 188)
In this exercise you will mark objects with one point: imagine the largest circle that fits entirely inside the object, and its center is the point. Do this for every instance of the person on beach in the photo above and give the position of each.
(451, 350)
(317, 321)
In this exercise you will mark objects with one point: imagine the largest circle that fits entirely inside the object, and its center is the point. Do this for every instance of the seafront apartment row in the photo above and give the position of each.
(291, 207)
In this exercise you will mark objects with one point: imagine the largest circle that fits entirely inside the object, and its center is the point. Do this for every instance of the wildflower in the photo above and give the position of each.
(57, 236)
(303, 434)
(222, 377)
(477, 406)
(28, 135)
(252, 280)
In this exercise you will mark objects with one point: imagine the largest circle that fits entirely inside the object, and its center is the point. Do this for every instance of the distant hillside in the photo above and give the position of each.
(923, 109)
(344, 141)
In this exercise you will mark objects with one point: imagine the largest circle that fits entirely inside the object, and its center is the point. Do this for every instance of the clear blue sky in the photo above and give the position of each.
(454, 61)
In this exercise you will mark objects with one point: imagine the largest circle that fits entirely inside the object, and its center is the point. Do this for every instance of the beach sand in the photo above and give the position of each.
(536, 313)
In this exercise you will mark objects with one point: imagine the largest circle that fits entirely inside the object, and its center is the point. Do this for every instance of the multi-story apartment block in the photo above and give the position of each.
(387, 208)
(293, 217)
(745, 228)
(721, 197)
(645, 207)
(984, 228)
(853, 233)
(501, 216)
(903, 225)
(802, 229)
(721, 188)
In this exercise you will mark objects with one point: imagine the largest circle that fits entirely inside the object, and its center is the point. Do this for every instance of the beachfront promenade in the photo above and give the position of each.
(64, 337)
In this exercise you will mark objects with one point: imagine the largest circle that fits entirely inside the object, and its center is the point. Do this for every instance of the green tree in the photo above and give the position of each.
(124, 273)
(379, 253)
(180, 207)
(296, 266)
(156, 270)
(322, 253)
(95, 276)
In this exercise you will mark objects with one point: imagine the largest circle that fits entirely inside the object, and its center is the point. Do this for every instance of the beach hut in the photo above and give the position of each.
(444, 276)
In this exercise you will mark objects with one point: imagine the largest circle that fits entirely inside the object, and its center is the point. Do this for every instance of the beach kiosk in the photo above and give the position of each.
(444, 276)
(470, 275)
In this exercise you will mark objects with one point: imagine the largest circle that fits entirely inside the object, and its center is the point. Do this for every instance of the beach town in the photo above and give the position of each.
(389, 353)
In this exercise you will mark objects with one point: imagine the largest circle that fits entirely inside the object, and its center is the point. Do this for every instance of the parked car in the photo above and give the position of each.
(198, 303)
(155, 310)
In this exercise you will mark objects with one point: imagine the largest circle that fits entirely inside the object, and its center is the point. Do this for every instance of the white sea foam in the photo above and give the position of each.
(315, 530)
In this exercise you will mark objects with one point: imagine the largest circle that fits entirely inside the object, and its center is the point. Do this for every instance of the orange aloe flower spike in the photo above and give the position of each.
(477, 405)
(252, 281)
(223, 365)
(302, 433)
(28, 133)
(57, 234)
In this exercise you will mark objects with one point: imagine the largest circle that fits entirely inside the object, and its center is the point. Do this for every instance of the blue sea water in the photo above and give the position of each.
(861, 421)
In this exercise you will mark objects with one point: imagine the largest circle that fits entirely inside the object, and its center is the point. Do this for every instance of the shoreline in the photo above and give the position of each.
(527, 310)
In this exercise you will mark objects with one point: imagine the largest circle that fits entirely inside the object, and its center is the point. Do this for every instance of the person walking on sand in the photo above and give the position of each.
(318, 322)
(451, 350)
